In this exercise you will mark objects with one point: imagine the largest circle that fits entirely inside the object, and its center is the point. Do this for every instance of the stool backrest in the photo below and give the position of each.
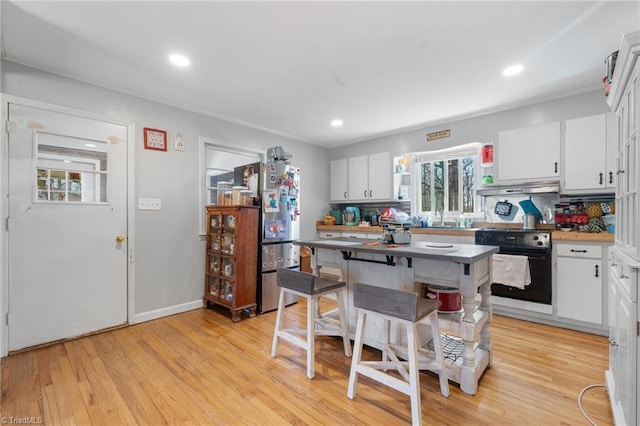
(296, 280)
(396, 303)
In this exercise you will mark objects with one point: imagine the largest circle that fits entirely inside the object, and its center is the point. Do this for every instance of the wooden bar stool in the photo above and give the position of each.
(409, 310)
(312, 288)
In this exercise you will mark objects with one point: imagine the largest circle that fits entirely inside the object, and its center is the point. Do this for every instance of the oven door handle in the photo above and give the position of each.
(530, 257)
(538, 257)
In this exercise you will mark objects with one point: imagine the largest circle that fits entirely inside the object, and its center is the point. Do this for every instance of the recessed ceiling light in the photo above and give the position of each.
(179, 60)
(67, 161)
(90, 145)
(337, 123)
(513, 70)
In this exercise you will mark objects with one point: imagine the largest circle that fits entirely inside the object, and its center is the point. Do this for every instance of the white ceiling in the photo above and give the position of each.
(292, 67)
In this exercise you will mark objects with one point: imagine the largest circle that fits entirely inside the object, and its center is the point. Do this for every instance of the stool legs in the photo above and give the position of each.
(315, 326)
(437, 347)
(414, 375)
(342, 312)
(274, 344)
(409, 370)
(357, 354)
(311, 337)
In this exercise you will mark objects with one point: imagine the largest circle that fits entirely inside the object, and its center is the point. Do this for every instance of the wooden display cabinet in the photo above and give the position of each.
(231, 259)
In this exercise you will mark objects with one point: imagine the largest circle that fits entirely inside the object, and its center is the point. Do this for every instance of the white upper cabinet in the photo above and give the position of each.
(339, 179)
(529, 154)
(589, 154)
(380, 176)
(362, 178)
(359, 177)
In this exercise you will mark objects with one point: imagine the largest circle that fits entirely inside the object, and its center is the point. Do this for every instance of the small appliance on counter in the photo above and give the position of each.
(351, 216)
(337, 215)
(396, 236)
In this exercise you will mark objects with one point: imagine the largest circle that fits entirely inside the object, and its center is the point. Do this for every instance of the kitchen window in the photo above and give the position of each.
(447, 180)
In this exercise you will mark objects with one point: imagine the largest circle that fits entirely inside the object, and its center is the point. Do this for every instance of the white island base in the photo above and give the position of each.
(465, 335)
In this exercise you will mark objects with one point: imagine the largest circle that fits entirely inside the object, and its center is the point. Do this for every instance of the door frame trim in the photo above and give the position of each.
(6, 99)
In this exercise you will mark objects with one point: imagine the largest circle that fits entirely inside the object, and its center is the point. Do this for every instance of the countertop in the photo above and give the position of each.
(596, 237)
(461, 253)
(558, 235)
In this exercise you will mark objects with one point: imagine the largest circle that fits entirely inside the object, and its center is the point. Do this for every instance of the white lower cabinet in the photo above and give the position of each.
(579, 279)
(580, 294)
(623, 374)
(329, 234)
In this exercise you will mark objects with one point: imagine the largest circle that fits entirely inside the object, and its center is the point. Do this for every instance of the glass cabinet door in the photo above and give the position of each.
(214, 286)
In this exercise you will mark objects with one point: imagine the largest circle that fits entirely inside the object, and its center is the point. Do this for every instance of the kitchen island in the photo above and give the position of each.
(410, 267)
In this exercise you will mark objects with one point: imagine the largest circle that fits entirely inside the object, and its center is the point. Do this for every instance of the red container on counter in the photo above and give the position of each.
(450, 299)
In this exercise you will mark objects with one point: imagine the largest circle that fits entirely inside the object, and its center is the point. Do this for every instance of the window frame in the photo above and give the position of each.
(38, 136)
(445, 155)
(220, 145)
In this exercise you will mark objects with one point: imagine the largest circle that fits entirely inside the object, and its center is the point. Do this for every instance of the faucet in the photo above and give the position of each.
(441, 213)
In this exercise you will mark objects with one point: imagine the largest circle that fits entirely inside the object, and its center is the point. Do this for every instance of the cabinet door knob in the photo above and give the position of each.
(555, 167)
(601, 181)
(345, 195)
(610, 177)
(119, 238)
(597, 271)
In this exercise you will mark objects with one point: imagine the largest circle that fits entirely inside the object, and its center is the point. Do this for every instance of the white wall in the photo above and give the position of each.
(169, 257)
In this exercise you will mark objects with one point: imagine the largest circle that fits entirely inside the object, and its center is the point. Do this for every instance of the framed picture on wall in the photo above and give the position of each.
(155, 139)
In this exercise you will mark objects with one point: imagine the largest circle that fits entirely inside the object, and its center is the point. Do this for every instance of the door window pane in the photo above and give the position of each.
(70, 169)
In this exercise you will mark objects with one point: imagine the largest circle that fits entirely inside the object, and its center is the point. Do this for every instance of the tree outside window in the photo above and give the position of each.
(447, 186)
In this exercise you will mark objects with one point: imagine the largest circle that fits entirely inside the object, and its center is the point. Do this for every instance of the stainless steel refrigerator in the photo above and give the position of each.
(276, 187)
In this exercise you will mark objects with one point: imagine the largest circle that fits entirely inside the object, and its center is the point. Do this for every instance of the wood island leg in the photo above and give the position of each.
(485, 305)
(468, 380)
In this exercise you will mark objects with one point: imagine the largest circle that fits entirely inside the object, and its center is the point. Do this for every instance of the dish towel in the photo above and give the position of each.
(511, 270)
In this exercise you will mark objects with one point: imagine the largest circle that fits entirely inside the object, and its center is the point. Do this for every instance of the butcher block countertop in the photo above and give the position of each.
(596, 237)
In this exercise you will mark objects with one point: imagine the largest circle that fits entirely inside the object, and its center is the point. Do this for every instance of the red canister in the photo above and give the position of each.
(450, 299)
(486, 155)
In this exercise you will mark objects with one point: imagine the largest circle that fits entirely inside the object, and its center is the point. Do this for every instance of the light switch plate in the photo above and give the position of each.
(149, 203)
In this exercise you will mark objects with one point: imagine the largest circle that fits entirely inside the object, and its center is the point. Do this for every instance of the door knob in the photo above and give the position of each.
(119, 238)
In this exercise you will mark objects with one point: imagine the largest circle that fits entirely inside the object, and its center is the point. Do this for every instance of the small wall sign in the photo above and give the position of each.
(438, 135)
(155, 139)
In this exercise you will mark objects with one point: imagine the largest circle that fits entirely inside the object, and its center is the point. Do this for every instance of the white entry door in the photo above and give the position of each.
(67, 225)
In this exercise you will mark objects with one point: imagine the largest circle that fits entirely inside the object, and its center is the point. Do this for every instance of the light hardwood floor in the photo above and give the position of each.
(200, 368)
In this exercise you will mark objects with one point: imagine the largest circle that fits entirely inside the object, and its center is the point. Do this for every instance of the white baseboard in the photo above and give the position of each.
(164, 312)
